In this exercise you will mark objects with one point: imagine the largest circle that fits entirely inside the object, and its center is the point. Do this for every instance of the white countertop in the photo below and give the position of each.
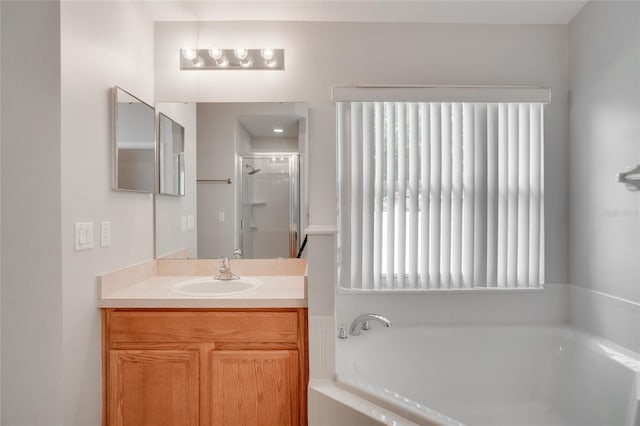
(282, 291)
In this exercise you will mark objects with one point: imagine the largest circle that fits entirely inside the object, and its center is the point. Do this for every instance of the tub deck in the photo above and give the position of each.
(498, 375)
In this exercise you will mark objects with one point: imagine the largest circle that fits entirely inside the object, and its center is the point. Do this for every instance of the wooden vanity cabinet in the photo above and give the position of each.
(218, 367)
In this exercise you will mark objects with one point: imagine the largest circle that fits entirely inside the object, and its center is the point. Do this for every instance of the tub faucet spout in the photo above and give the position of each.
(362, 323)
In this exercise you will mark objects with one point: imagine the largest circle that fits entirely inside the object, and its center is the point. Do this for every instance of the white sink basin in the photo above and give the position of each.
(208, 287)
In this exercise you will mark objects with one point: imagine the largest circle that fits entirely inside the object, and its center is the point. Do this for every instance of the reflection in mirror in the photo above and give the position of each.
(269, 205)
(251, 180)
(175, 216)
(134, 143)
(171, 138)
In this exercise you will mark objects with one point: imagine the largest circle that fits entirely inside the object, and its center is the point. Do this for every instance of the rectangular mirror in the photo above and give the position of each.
(246, 181)
(134, 143)
(171, 138)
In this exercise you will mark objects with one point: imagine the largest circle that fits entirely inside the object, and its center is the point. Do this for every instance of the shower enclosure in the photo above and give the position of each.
(269, 205)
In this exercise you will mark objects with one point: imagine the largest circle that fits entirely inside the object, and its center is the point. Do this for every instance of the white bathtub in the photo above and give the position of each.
(492, 375)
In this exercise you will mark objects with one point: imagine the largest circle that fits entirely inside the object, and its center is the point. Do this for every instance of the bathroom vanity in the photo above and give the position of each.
(177, 360)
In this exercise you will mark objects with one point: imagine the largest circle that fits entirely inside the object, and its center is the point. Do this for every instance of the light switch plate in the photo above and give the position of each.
(105, 234)
(183, 223)
(191, 222)
(83, 235)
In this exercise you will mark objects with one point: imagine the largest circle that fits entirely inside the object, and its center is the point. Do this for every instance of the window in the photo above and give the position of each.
(440, 195)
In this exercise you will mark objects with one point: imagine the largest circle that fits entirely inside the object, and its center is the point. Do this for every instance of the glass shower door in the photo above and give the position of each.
(269, 225)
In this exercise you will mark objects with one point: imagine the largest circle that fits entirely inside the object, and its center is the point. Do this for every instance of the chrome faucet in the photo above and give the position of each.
(362, 323)
(224, 270)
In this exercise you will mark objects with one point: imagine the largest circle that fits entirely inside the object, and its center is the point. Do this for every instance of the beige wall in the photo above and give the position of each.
(102, 44)
(32, 341)
(65, 165)
(320, 56)
(604, 70)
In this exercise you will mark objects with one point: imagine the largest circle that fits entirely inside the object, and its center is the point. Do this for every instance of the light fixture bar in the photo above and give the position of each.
(232, 59)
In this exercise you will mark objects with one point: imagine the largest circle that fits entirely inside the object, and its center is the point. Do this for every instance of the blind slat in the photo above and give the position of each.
(390, 195)
(401, 216)
(414, 205)
(445, 194)
(368, 169)
(356, 194)
(492, 194)
(425, 175)
(434, 208)
(523, 195)
(512, 197)
(468, 205)
(379, 194)
(457, 189)
(480, 199)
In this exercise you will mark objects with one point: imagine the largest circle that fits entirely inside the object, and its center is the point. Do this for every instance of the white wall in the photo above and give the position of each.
(604, 71)
(103, 44)
(320, 56)
(32, 340)
(170, 237)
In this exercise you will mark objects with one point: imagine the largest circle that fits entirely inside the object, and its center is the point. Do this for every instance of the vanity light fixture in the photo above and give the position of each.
(232, 59)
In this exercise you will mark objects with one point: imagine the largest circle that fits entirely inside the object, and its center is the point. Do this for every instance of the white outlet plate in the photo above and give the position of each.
(191, 222)
(83, 235)
(183, 223)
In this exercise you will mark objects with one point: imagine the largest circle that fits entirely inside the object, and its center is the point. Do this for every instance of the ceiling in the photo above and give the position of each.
(416, 11)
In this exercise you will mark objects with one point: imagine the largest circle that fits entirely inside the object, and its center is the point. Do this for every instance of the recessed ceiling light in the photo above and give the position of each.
(278, 130)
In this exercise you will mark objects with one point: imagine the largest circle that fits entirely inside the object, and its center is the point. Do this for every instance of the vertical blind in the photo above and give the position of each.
(440, 195)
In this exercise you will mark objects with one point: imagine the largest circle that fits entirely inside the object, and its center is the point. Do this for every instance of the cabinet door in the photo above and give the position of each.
(254, 388)
(153, 388)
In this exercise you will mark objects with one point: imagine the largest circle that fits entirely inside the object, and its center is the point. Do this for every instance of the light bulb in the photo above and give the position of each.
(278, 130)
(189, 54)
(216, 54)
(267, 54)
(241, 53)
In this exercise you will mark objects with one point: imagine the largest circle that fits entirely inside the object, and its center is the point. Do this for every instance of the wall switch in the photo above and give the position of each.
(183, 223)
(191, 222)
(105, 234)
(83, 235)
(220, 216)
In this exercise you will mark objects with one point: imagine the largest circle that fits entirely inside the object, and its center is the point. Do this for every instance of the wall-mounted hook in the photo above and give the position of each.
(631, 178)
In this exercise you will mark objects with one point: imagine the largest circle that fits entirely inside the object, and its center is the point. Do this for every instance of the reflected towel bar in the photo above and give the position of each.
(632, 183)
(228, 180)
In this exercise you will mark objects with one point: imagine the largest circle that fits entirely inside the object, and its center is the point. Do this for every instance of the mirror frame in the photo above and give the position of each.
(115, 144)
(180, 164)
